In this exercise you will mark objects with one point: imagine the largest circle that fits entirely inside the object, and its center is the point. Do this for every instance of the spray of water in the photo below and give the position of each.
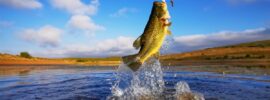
(147, 83)
(183, 92)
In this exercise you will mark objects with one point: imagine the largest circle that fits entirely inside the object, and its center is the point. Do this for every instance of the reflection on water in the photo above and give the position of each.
(23, 70)
(223, 69)
(88, 83)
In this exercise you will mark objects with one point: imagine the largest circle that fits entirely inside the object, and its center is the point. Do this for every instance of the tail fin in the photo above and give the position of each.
(132, 62)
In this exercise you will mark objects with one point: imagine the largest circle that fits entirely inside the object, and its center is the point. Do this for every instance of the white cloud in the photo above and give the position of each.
(76, 6)
(26, 4)
(123, 45)
(85, 23)
(111, 47)
(44, 36)
(194, 39)
(80, 21)
(200, 41)
(123, 12)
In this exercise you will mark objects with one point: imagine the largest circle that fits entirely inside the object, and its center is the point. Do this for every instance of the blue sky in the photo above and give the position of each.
(93, 28)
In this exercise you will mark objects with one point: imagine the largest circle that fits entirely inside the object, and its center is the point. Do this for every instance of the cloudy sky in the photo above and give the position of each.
(98, 28)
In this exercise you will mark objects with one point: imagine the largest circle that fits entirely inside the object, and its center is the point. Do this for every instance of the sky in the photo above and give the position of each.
(102, 28)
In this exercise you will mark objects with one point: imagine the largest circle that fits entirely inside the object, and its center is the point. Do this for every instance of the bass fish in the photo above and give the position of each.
(152, 38)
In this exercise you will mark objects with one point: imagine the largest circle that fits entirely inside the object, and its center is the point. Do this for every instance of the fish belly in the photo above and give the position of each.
(153, 48)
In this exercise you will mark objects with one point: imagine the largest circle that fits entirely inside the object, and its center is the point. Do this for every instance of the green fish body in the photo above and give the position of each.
(152, 38)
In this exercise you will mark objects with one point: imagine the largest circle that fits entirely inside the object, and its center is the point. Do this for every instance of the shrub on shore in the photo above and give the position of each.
(81, 60)
(25, 55)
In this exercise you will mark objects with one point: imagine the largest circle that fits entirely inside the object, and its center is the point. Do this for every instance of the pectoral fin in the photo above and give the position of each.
(169, 32)
(137, 43)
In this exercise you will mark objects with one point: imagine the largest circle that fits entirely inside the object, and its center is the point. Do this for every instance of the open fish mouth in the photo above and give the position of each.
(165, 20)
(166, 17)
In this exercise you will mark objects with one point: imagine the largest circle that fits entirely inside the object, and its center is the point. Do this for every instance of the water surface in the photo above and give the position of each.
(95, 83)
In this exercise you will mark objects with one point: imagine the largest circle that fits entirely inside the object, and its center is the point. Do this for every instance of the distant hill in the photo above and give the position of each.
(244, 53)
(8, 59)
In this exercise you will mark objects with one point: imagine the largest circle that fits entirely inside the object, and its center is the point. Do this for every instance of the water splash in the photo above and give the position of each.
(183, 92)
(147, 84)
(167, 44)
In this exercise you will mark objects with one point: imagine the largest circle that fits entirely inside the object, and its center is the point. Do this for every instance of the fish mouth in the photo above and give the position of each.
(166, 16)
(165, 20)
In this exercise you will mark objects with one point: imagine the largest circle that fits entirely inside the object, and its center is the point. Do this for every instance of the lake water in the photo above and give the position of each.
(95, 83)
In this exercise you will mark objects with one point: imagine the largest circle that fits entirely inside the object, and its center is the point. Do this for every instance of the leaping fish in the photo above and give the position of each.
(152, 38)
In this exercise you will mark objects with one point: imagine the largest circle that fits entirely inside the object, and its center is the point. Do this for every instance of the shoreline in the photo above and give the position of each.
(239, 62)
